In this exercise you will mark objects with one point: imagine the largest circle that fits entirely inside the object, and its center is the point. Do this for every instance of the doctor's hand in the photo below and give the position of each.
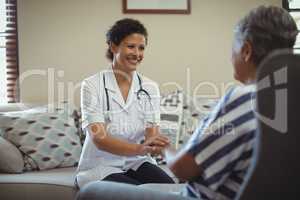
(146, 148)
(143, 149)
(157, 143)
(153, 145)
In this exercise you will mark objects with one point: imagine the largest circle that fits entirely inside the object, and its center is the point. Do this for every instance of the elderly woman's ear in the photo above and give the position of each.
(247, 51)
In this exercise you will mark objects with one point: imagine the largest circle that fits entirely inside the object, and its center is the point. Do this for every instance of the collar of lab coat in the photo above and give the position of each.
(115, 92)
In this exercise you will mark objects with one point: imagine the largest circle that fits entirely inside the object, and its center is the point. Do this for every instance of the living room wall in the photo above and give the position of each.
(63, 41)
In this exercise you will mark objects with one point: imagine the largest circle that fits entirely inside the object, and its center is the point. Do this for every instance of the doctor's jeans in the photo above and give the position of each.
(146, 173)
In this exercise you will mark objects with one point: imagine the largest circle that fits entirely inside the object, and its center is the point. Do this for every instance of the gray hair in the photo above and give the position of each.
(267, 28)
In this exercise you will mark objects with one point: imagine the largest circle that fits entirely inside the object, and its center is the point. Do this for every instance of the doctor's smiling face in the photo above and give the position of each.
(126, 40)
(129, 53)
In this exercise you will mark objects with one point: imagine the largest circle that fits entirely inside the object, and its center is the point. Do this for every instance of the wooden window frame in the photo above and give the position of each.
(11, 50)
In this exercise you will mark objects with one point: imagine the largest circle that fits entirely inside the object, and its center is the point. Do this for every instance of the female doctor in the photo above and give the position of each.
(120, 109)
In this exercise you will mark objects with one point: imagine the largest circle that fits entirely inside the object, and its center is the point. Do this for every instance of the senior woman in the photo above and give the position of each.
(216, 160)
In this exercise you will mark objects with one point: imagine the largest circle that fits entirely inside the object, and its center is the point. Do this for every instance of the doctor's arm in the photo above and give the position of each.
(152, 118)
(104, 141)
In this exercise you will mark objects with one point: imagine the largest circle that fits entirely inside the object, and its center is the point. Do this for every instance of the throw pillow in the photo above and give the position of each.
(68, 110)
(48, 140)
(78, 121)
(11, 159)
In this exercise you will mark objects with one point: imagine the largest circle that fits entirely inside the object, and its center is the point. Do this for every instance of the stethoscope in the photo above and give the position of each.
(139, 93)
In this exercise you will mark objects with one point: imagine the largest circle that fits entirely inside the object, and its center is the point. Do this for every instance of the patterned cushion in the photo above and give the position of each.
(78, 121)
(74, 113)
(171, 114)
(47, 140)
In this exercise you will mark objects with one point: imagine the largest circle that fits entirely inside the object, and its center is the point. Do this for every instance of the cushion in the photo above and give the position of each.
(46, 139)
(78, 123)
(171, 107)
(11, 159)
(69, 110)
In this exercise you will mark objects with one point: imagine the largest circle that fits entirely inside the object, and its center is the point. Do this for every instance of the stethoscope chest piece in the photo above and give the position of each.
(107, 117)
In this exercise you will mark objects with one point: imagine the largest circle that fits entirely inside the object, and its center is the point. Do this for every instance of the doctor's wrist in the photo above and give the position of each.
(141, 149)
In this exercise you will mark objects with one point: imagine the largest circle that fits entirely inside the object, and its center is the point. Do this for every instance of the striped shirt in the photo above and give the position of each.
(222, 146)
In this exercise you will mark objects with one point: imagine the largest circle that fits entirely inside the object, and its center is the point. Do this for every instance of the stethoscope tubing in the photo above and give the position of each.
(141, 90)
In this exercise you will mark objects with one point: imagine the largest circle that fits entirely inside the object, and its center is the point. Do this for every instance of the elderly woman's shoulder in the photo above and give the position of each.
(244, 92)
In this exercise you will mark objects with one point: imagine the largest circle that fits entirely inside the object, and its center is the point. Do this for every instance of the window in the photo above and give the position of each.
(296, 16)
(9, 71)
(293, 6)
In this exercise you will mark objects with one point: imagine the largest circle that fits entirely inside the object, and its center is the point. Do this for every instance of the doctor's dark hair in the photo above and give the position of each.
(121, 29)
(267, 28)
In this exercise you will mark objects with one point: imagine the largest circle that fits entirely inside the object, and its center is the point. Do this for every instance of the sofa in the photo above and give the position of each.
(18, 181)
(50, 184)
(35, 177)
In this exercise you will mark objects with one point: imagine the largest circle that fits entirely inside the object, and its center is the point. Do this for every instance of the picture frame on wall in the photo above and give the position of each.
(157, 6)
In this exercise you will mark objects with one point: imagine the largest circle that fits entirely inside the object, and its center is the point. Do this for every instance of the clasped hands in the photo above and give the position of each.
(154, 145)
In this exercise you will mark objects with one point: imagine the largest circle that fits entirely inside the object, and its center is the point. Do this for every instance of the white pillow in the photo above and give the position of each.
(11, 158)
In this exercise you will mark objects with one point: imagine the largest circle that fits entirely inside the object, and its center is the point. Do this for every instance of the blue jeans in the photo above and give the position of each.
(102, 190)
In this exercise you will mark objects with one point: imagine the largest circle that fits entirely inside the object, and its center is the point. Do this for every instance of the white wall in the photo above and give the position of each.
(64, 40)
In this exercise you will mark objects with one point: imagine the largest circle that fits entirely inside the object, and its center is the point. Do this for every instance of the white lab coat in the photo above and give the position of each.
(127, 121)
